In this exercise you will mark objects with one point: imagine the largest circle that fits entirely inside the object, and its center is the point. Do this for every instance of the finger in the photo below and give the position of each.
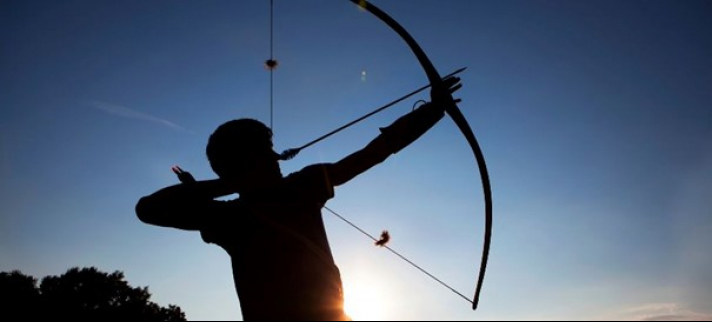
(451, 80)
(455, 88)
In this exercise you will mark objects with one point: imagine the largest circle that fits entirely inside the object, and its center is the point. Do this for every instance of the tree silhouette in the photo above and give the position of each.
(83, 294)
(20, 295)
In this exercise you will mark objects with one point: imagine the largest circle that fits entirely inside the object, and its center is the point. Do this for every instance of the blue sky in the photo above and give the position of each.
(594, 118)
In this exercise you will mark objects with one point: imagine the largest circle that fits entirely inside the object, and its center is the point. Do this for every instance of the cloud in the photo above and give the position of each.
(653, 307)
(665, 312)
(680, 317)
(126, 112)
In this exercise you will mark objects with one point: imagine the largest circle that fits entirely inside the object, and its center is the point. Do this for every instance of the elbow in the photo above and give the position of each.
(144, 210)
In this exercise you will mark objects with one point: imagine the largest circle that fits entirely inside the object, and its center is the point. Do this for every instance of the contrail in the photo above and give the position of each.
(126, 112)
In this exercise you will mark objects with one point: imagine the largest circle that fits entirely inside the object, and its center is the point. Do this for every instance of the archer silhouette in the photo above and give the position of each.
(282, 263)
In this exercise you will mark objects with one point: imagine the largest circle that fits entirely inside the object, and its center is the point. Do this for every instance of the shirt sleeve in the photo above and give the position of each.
(314, 183)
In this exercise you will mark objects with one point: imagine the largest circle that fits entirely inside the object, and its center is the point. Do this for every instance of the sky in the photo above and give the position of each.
(594, 116)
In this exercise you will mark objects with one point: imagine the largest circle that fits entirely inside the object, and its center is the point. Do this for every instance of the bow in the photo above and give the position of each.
(460, 121)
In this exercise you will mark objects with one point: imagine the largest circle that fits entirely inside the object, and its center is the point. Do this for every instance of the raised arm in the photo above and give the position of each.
(182, 206)
(396, 136)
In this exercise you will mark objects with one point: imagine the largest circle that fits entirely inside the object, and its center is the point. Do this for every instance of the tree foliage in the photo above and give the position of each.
(84, 294)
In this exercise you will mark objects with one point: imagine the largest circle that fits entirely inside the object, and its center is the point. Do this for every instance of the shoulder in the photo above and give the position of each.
(314, 171)
(315, 179)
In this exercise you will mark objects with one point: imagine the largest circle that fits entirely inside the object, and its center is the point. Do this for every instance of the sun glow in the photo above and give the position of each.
(366, 299)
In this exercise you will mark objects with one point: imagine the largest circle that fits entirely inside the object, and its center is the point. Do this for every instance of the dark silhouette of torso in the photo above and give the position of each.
(281, 259)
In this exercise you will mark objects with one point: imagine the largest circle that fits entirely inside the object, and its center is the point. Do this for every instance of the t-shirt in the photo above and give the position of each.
(281, 260)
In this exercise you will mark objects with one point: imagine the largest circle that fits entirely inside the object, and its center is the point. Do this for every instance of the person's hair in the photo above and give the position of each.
(235, 138)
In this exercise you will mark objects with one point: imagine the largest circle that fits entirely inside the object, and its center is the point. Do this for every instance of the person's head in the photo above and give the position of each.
(240, 151)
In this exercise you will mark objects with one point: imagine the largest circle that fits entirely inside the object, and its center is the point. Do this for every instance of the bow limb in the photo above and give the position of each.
(460, 121)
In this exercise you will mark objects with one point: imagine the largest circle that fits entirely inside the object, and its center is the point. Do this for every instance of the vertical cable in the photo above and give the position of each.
(271, 65)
